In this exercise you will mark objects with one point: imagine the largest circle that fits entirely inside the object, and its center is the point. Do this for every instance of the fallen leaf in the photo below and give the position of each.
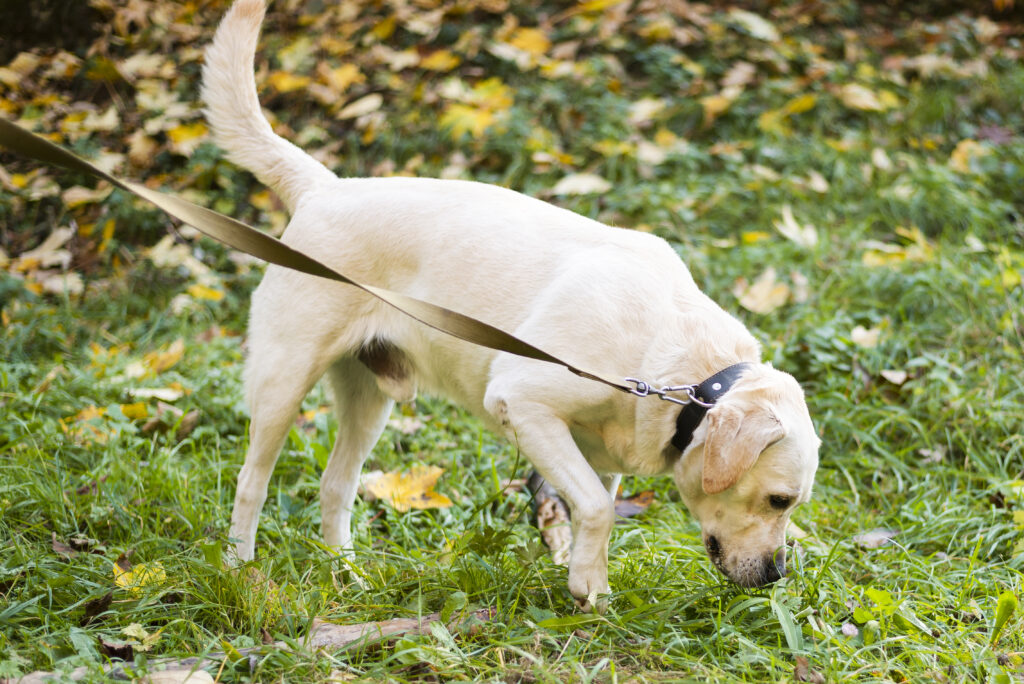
(411, 489)
(804, 235)
(187, 426)
(96, 607)
(874, 538)
(135, 411)
(116, 649)
(139, 638)
(802, 672)
(581, 184)
(865, 337)
(166, 357)
(756, 25)
(172, 393)
(764, 295)
(964, 153)
(203, 292)
(896, 377)
(440, 61)
(60, 547)
(553, 520)
(634, 505)
(461, 119)
(362, 106)
(139, 576)
(856, 96)
(185, 138)
(286, 81)
(530, 40)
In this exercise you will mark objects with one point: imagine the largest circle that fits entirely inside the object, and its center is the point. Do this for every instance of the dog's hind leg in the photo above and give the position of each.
(362, 410)
(277, 380)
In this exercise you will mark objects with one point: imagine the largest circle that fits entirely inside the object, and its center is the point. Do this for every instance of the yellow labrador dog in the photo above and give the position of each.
(607, 298)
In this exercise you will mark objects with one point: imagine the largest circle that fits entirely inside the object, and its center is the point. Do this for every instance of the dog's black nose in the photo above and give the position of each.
(775, 566)
(714, 549)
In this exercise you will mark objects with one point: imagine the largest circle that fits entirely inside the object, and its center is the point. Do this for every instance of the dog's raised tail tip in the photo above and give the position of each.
(249, 8)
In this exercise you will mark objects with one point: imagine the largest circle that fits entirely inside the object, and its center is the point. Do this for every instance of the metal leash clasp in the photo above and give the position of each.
(645, 389)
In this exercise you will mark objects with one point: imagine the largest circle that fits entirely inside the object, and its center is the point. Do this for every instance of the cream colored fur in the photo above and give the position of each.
(603, 298)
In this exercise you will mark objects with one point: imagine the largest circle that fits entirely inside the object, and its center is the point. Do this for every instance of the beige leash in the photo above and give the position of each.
(251, 241)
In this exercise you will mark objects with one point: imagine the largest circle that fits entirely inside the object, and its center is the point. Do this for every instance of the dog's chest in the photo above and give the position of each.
(608, 448)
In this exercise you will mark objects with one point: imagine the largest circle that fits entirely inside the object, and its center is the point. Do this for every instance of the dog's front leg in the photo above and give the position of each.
(545, 439)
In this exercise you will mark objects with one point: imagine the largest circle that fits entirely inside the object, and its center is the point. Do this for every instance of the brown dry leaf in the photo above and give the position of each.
(60, 547)
(166, 357)
(553, 519)
(411, 489)
(802, 672)
(764, 295)
(634, 505)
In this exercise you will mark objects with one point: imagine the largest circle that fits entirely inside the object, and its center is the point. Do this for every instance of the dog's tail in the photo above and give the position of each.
(233, 109)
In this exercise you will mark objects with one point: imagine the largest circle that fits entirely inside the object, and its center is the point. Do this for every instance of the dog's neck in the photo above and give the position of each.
(687, 352)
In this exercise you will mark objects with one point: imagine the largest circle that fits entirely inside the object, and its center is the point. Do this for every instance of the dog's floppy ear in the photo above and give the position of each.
(737, 434)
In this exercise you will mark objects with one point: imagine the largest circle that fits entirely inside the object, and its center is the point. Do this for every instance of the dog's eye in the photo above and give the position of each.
(779, 501)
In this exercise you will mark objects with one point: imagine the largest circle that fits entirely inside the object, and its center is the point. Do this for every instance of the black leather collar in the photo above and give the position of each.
(707, 393)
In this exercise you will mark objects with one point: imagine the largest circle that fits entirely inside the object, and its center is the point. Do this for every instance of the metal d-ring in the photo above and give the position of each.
(645, 389)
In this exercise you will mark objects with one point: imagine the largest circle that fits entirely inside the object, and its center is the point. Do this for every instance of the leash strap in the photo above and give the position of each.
(268, 248)
(705, 395)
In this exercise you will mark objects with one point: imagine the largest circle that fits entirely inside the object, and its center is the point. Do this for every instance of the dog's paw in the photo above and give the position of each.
(589, 586)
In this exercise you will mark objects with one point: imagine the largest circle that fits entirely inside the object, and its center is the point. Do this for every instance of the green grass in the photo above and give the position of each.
(938, 459)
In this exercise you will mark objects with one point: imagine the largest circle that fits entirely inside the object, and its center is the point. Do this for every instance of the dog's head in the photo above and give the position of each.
(751, 462)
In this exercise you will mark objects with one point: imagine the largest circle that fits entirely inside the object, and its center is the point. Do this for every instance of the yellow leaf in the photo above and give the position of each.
(384, 29)
(89, 413)
(531, 40)
(341, 78)
(135, 411)
(774, 121)
(462, 119)
(286, 82)
(185, 138)
(493, 94)
(749, 237)
(964, 152)
(139, 577)
(801, 104)
(714, 105)
(412, 489)
(164, 359)
(203, 292)
(601, 5)
(441, 61)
